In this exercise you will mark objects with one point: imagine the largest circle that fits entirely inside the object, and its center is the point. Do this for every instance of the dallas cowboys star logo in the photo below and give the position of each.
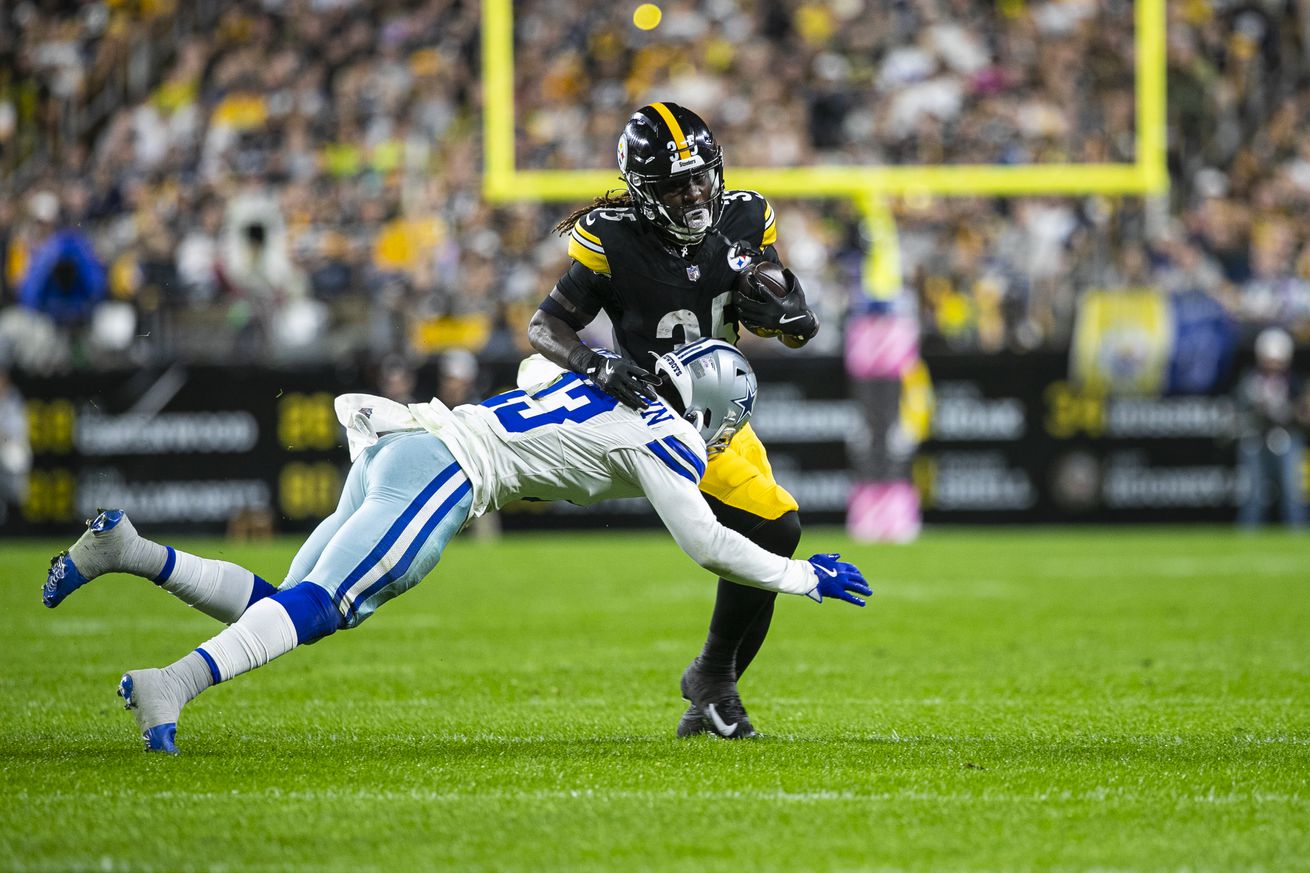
(745, 404)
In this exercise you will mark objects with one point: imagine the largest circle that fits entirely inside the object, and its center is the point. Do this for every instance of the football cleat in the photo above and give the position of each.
(96, 552)
(692, 723)
(155, 712)
(722, 712)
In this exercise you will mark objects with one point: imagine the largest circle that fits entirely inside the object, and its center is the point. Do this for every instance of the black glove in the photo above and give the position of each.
(788, 315)
(617, 377)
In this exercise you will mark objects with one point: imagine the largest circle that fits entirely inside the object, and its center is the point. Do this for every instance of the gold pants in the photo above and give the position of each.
(741, 477)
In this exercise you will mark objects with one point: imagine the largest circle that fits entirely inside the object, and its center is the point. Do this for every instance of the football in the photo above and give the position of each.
(766, 275)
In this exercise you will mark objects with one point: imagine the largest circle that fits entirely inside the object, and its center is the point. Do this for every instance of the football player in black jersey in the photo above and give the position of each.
(662, 261)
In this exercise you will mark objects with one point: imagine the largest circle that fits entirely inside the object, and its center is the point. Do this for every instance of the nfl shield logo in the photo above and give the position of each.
(693, 272)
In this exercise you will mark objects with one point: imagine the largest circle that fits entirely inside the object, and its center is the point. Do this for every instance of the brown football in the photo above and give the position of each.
(765, 274)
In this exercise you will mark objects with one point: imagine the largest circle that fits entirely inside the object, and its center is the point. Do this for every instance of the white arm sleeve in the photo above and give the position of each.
(679, 504)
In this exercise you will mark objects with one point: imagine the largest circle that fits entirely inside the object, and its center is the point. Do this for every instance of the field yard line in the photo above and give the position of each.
(1180, 567)
(1299, 739)
(107, 863)
(1097, 795)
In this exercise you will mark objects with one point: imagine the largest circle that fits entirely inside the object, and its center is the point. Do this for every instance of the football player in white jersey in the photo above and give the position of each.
(420, 472)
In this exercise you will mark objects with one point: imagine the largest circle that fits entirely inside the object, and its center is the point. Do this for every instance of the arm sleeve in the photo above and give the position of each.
(724, 552)
(585, 290)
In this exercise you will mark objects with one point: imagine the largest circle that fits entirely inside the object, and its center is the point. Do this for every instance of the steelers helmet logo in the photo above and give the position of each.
(623, 154)
(738, 260)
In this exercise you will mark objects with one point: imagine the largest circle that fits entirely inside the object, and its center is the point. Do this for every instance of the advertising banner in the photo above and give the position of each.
(1012, 440)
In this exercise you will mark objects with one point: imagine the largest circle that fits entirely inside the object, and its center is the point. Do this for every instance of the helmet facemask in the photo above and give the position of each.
(723, 434)
(673, 168)
(682, 205)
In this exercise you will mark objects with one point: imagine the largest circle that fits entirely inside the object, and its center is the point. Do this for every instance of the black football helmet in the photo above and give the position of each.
(673, 169)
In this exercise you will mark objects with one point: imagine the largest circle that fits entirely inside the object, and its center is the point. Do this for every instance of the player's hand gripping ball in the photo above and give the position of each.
(760, 277)
(769, 302)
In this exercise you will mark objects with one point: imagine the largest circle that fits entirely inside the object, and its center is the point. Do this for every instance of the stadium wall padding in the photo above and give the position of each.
(1012, 441)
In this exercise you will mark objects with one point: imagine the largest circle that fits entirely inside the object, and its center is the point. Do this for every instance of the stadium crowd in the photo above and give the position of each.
(302, 181)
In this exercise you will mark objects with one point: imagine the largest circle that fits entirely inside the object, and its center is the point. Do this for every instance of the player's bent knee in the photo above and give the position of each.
(311, 610)
(259, 590)
(780, 535)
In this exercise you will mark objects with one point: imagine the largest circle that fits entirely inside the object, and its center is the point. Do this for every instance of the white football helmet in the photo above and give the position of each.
(717, 387)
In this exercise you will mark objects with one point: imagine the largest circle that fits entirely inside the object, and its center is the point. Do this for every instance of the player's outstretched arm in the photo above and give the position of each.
(724, 552)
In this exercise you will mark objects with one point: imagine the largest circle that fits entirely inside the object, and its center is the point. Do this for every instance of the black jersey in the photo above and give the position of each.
(657, 298)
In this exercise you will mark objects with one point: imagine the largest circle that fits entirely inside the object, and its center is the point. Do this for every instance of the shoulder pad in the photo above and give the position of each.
(585, 244)
(587, 239)
(744, 195)
(752, 217)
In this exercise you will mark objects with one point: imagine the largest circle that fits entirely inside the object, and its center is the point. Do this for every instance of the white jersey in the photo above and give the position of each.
(565, 439)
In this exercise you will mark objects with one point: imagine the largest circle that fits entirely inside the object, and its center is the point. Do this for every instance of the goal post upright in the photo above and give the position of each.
(504, 182)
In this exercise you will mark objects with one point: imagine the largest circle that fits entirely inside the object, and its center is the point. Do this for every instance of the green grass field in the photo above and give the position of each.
(1010, 701)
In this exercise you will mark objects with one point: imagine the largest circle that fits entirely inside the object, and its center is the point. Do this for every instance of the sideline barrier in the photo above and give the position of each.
(1012, 442)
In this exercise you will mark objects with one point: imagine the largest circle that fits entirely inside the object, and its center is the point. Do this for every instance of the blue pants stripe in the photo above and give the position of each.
(402, 566)
(403, 501)
(393, 533)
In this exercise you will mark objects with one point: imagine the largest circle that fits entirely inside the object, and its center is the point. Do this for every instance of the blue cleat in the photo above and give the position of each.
(160, 738)
(140, 693)
(61, 580)
(96, 552)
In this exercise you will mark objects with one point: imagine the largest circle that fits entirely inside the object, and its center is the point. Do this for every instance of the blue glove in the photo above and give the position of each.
(837, 579)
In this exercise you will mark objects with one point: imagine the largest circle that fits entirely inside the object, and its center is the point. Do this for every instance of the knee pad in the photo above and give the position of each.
(780, 535)
(312, 611)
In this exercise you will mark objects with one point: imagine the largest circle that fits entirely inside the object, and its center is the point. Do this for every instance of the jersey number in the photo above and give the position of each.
(569, 399)
(690, 324)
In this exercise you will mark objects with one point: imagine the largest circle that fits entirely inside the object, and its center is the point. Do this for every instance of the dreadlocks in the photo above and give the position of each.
(611, 198)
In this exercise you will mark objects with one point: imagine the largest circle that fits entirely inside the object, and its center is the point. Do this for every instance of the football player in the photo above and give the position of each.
(419, 473)
(662, 260)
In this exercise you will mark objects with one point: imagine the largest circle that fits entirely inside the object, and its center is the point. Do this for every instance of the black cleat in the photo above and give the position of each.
(692, 723)
(722, 712)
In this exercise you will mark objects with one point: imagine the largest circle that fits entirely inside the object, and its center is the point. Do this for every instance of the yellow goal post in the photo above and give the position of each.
(866, 186)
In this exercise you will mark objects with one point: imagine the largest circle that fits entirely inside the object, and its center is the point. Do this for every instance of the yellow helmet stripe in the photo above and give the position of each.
(679, 138)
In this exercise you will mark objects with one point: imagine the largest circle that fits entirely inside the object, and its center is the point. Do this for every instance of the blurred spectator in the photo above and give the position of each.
(9, 271)
(1275, 414)
(255, 266)
(397, 379)
(198, 255)
(1274, 293)
(66, 279)
(302, 179)
(459, 378)
(15, 449)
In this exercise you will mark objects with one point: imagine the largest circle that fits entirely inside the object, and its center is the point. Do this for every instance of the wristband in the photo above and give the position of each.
(582, 359)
